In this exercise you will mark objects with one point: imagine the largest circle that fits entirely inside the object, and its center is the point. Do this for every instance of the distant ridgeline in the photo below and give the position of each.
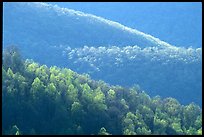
(104, 49)
(42, 100)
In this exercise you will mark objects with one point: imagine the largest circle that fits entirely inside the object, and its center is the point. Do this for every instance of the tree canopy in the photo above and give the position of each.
(41, 100)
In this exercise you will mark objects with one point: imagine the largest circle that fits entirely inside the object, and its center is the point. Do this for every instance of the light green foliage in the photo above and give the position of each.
(18, 77)
(54, 70)
(199, 132)
(32, 67)
(129, 123)
(128, 132)
(99, 99)
(20, 83)
(86, 88)
(76, 107)
(72, 93)
(143, 131)
(139, 120)
(37, 87)
(103, 131)
(51, 90)
(130, 115)
(42, 73)
(10, 73)
(191, 131)
(52, 78)
(177, 128)
(65, 102)
(111, 94)
(87, 93)
(68, 75)
(160, 125)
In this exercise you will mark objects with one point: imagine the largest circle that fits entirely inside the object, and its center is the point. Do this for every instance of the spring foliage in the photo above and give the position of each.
(41, 100)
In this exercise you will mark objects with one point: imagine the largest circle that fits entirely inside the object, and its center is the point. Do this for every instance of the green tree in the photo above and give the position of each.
(31, 68)
(129, 124)
(198, 122)
(128, 132)
(175, 129)
(124, 103)
(51, 90)
(21, 86)
(147, 114)
(10, 83)
(144, 99)
(99, 100)
(72, 93)
(42, 73)
(12, 59)
(172, 106)
(103, 131)
(87, 93)
(190, 113)
(160, 125)
(67, 103)
(111, 94)
(191, 131)
(10, 73)
(76, 107)
(54, 70)
(156, 103)
(143, 131)
(37, 87)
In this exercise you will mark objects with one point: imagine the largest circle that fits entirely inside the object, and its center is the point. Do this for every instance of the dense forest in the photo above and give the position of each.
(107, 50)
(37, 99)
(153, 68)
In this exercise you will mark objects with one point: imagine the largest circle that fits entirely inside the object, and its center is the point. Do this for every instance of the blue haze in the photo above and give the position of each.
(182, 20)
(112, 52)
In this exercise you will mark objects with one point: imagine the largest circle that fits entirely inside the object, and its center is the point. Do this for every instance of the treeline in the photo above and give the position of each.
(172, 72)
(41, 100)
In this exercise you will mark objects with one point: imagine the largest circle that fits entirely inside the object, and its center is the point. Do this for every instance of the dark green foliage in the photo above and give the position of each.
(41, 100)
(12, 59)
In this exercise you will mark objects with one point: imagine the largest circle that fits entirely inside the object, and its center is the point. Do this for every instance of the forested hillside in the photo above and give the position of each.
(37, 99)
(106, 50)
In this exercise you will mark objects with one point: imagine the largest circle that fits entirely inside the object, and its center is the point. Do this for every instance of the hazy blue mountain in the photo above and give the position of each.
(182, 20)
(104, 49)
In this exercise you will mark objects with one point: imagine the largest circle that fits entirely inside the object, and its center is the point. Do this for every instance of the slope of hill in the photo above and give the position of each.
(104, 49)
(41, 100)
(64, 26)
(178, 23)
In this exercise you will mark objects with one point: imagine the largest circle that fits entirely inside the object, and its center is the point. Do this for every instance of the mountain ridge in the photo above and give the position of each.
(48, 36)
